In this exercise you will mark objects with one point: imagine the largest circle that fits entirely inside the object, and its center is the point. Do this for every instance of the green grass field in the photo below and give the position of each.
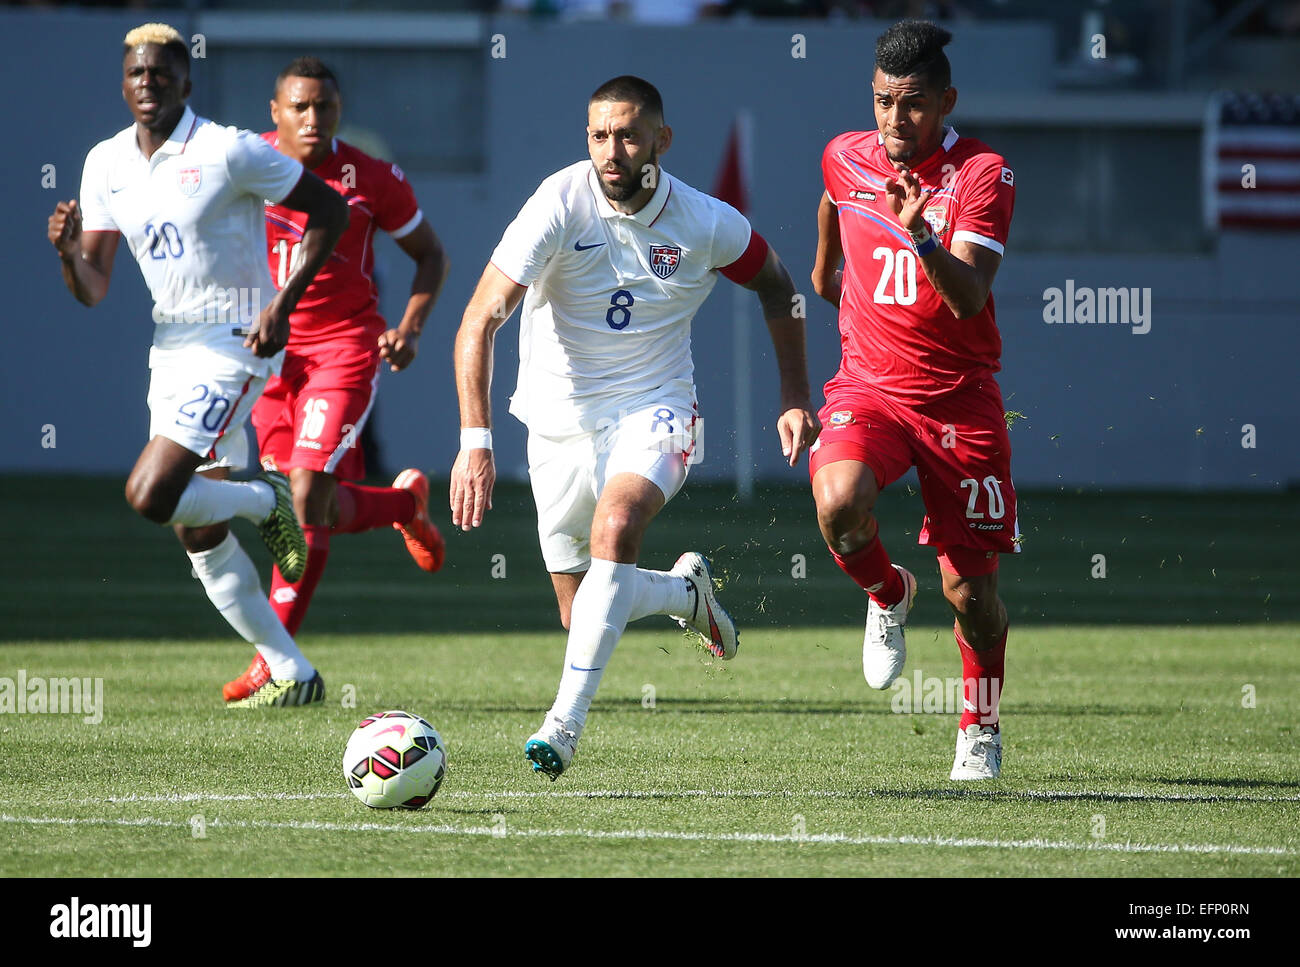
(1149, 716)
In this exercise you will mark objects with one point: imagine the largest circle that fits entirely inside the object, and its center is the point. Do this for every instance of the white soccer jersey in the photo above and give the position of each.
(193, 218)
(606, 320)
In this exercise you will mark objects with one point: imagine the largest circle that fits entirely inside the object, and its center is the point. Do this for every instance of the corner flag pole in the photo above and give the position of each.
(733, 187)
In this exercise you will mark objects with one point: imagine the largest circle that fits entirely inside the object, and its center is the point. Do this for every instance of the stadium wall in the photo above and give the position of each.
(1107, 198)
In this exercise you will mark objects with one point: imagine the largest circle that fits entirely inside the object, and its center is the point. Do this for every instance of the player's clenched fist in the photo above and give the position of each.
(397, 348)
(65, 228)
(472, 478)
(270, 333)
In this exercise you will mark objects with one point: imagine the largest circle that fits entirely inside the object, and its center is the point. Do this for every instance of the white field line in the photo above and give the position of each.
(1030, 794)
(831, 839)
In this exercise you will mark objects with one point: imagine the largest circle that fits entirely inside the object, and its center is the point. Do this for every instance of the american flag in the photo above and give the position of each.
(1253, 161)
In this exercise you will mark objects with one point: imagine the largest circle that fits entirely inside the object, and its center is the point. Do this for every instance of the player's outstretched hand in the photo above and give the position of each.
(398, 349)
(472, 478)
(799, 429)
(64, 229)
(270, 333)
(907, 199)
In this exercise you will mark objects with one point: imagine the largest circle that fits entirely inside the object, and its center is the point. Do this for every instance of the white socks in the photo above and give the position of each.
(208, 501)
(660, 593)
(610, 596)
(231, 581)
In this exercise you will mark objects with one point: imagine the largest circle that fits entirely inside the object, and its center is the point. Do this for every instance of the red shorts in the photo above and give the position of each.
(311, 415)
(961, 451)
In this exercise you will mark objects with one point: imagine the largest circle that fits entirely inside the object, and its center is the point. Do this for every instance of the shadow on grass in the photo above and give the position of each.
(720, 706)
(901, 795)
(99, 573)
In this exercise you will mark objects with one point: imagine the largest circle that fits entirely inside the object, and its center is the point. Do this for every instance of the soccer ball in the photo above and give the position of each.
(395, 760)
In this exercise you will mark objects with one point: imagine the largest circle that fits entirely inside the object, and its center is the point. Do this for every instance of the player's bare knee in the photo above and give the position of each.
(151, 501)
(843, 507)
(306, 509)
(978, 610)
(314, 500)
(618, 527)
(846, 527)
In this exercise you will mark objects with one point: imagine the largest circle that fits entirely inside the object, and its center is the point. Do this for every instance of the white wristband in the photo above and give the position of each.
(475, 438)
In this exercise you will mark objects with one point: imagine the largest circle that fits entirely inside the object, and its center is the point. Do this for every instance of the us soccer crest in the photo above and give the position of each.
(937, 218)
(664, 259)
(189, 179)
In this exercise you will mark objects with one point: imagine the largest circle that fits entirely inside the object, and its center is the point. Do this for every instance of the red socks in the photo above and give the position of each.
(365, 508)
(360, 509)
(869, 566)
(290, 601)
(982, 673)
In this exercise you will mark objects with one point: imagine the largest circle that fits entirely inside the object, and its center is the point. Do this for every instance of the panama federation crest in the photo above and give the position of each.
(664, 259)
(189, 179)
(937, 218)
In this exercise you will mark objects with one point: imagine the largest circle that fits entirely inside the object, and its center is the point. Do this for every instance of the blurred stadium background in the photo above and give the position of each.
(1172, 452)
(1128, 168)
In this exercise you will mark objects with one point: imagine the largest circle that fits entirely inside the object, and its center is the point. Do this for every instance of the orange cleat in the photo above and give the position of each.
(422, 538)
(257, 675)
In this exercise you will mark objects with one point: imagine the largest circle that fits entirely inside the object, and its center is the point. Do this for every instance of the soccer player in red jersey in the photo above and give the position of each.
(919, 217)
(309, 420)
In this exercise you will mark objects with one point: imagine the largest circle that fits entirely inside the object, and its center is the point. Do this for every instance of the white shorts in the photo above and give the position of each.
(202, 400)
(569, 473)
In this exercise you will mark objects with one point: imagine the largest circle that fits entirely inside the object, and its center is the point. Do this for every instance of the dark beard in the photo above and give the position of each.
(628, 190)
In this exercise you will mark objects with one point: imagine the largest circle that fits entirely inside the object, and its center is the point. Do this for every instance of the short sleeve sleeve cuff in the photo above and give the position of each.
(261, 170)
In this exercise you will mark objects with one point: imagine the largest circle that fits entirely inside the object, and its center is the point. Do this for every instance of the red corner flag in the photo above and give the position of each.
(732, 184)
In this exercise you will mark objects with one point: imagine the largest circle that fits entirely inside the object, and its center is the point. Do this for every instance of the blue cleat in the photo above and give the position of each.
(551, 748)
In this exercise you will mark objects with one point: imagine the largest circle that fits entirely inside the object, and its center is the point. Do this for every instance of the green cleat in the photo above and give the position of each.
(281, 694)
(281, 531)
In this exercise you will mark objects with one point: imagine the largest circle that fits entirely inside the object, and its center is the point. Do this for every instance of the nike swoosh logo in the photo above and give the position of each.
(577, 669)
(114, 191)
(579, 247)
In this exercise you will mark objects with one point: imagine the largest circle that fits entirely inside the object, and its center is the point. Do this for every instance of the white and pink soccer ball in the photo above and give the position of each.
(395, 760)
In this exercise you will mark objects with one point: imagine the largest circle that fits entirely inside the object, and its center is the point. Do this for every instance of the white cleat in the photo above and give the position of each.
(883, 648)
(708, 618)
(979, 753)
(550, 749)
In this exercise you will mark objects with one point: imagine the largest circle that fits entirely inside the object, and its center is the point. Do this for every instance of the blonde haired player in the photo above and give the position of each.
(187, 196)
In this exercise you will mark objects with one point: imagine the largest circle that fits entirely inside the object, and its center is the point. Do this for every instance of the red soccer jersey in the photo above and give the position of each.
(342, 300)
(895, 331)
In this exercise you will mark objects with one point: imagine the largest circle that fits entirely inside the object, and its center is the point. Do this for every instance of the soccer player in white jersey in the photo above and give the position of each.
(612, 257)
(188, 194)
